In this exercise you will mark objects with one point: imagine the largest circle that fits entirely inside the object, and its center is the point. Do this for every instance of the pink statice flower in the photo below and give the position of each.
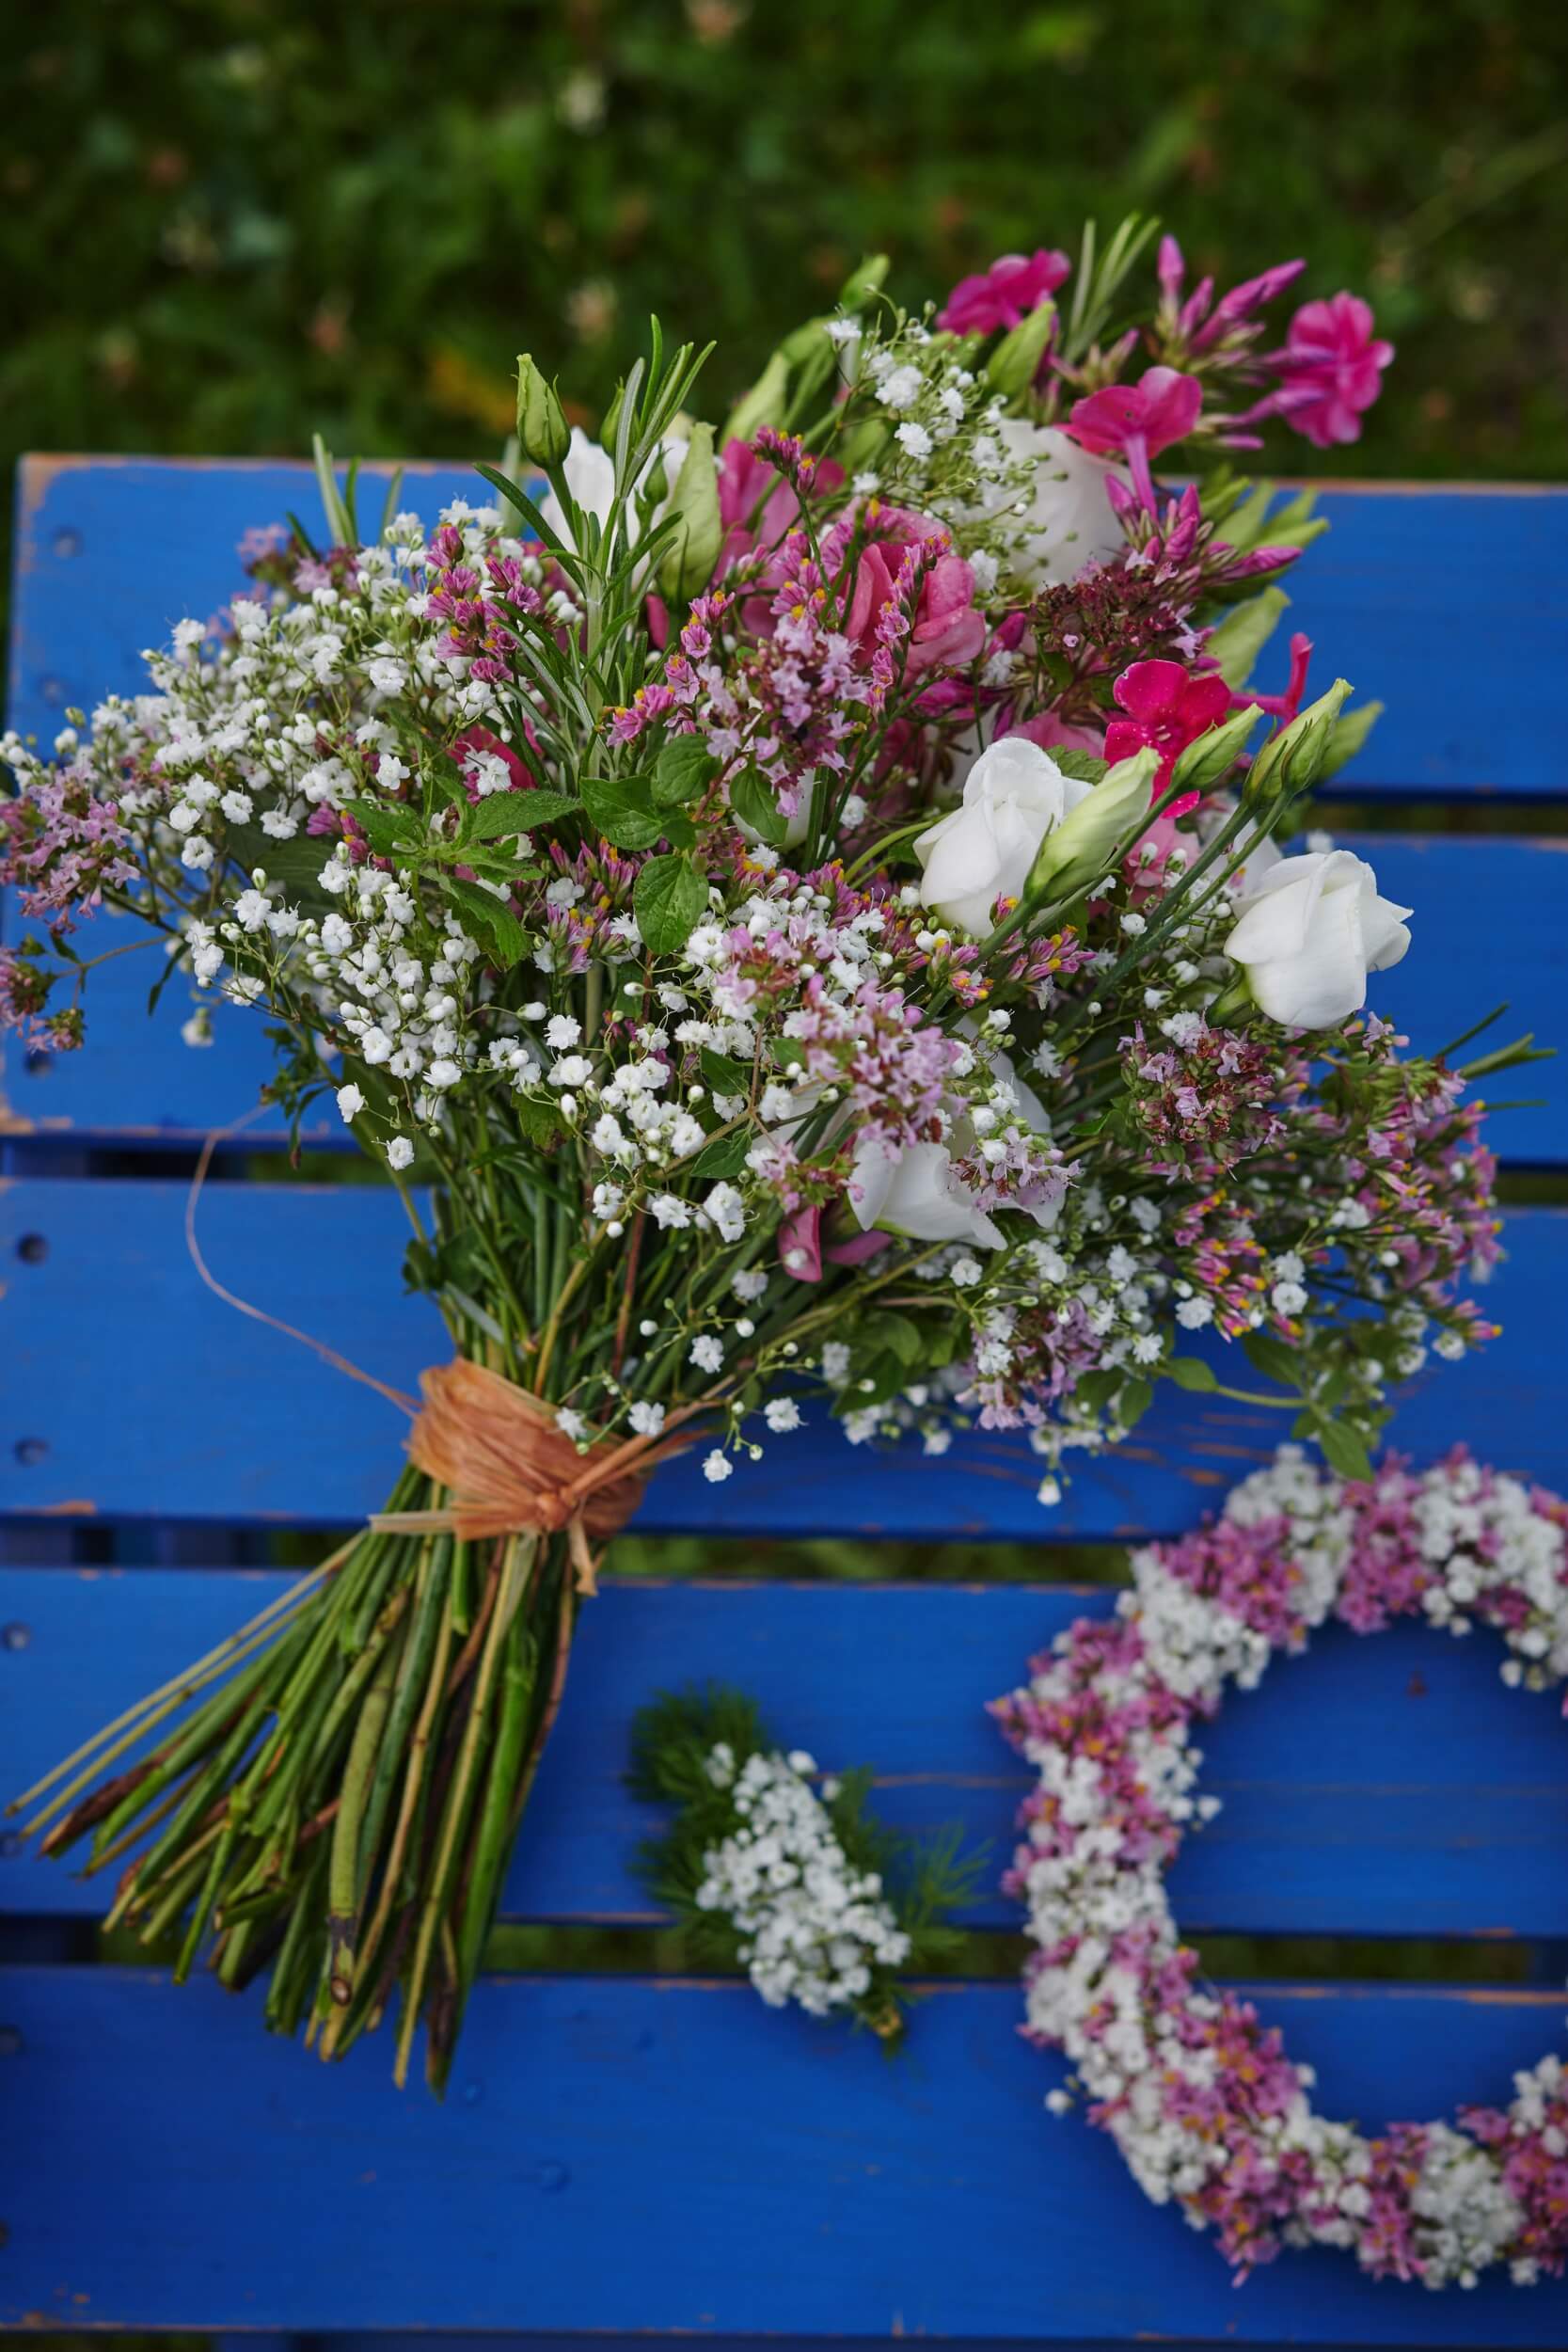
(1331, 371)
(1002, 295)
(1138, 421)
(1167, 708)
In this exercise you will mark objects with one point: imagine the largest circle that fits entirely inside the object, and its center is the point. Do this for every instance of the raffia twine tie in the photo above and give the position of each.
(509, 1469)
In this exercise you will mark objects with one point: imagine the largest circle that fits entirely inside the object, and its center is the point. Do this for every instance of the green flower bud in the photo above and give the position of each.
(543, 433)
(1208, 758)
(1092, 837)
(686, 564)
(1297, 757)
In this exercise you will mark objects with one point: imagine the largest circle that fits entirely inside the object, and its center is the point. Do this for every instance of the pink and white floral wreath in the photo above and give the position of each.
(1202, 2099)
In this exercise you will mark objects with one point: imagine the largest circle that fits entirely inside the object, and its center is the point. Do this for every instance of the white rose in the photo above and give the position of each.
(1013, 796)
(918, 1194)
(590, 472)
(1069, 522)
(1310, 932)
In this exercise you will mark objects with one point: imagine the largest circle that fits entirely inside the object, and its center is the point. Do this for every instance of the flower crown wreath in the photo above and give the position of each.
(1202, 2099)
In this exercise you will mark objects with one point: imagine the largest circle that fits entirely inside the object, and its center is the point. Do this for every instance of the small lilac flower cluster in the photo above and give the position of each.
(1202, 2098)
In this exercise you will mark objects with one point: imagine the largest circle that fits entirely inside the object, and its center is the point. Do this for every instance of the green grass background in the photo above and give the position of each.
(227, 224)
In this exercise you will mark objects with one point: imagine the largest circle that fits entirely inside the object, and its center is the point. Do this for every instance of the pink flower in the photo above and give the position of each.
(1166, 709)
(1053, 733)
(1331, 370)
(1140, 420)
(948, 631)
(1004, 295)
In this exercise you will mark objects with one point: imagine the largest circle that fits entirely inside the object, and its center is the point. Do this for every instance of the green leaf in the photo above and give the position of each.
(1351, 730)
(1274, 1359)
(1135, 1401)
(1188, 1372)
(1097, 1388)
(295, 864)
(724, 1156)
(500, 814)
(725, 1075)
(884, 1332)
(1243, 634)
(621, 809)
(753, 801)
(1343, 1448)
(1084, 767)
(541, 1122)
(491, 919)
(684, 768)
(668, 900)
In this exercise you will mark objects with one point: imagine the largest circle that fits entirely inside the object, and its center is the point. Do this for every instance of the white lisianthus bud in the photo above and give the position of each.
(1100, 828)
(1013, 796)
(1311, 932)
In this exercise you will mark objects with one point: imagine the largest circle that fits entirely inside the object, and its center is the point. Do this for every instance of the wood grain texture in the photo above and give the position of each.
(1384, 1785)
(670, 2158)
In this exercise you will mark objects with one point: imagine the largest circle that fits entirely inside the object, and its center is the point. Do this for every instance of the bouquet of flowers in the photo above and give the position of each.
(797, 913)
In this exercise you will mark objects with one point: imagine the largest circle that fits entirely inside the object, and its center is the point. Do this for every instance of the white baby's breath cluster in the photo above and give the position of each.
(813, 1928)
(1463, 1545)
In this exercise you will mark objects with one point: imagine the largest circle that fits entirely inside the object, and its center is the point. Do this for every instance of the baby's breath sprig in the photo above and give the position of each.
(771, 1863)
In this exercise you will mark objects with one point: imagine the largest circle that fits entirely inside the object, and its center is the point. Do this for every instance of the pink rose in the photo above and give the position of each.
(947, 631)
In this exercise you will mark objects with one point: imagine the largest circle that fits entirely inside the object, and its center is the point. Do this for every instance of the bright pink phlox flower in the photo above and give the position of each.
(947, 631)
(1166, 709)
(1139, 420)
(1286, 705)
(1004, 295)
(1331, 370)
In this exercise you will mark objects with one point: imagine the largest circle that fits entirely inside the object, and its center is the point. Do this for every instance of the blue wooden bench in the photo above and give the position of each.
(627, 2156)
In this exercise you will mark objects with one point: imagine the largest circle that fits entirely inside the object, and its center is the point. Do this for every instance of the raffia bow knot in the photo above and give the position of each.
(509, 1468)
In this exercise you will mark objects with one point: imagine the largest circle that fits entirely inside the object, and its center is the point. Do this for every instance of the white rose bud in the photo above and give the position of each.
(916, 1193)
(1013, 796)
(1309, 933)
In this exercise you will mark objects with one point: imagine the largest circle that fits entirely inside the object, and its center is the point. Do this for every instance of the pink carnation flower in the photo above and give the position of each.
(1004, 295)
(1139, 421)
(1331, 370)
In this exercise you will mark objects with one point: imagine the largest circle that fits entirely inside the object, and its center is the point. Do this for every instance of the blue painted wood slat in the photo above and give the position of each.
(114, 1314)
(667, 2156)
(1386, 1785)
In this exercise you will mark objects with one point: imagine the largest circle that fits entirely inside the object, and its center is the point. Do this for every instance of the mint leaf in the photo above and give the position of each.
(753, 801)
(684, 768)
(668, 900)
(620, 808)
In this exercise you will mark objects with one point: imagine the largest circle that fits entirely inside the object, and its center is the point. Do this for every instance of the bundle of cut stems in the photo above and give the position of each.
(340, 1794)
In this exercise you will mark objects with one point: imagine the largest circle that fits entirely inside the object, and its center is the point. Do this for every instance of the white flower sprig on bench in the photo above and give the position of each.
(772, 1865)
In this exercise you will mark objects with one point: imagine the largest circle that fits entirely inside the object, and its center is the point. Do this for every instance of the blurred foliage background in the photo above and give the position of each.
(229, 222)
